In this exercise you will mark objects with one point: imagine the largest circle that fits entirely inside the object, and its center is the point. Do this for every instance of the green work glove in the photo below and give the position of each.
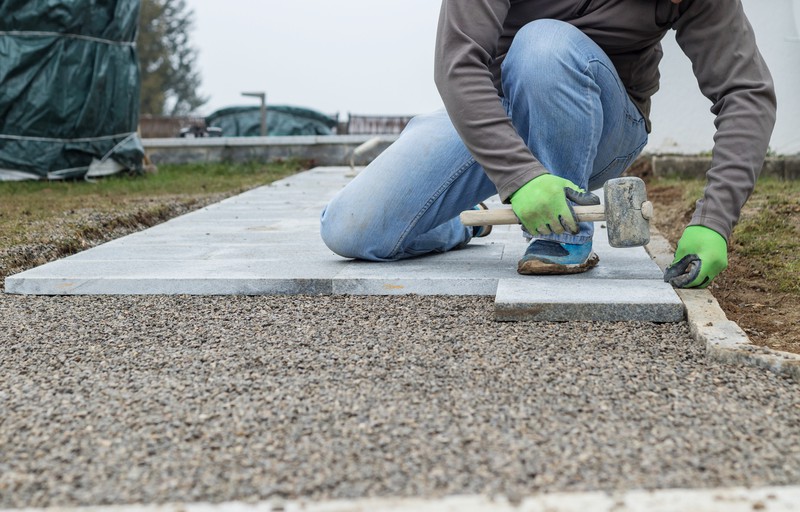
(541, 205)
(701, 255)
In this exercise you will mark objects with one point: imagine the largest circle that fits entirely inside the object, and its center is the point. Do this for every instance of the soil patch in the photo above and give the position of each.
(759, 290)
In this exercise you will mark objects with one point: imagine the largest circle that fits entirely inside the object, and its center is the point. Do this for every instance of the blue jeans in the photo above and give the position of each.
(565, 100)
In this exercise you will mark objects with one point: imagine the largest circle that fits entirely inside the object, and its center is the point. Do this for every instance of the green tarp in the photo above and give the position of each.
(69, 88)
(281, 120)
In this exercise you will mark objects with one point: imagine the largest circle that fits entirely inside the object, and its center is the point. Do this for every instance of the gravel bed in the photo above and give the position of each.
(156, 399)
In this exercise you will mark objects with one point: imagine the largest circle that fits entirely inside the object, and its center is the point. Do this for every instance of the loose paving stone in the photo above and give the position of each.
(558, 300)
(159, 399)
(267, 241)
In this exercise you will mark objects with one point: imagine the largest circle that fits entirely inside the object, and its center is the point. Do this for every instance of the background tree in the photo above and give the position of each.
(169, 78)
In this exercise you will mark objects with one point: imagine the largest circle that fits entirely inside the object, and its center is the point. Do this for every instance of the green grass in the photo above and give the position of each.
(23, 204)
(768, 232)
(188, 179)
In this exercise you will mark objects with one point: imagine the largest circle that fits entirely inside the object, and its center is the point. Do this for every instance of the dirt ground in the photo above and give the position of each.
(747, 292)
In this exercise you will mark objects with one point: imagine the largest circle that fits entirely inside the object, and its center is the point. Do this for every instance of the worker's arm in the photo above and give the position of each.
(718, 39)
(466, 43)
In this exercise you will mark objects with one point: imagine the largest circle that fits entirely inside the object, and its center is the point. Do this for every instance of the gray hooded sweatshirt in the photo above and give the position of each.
(475, 35)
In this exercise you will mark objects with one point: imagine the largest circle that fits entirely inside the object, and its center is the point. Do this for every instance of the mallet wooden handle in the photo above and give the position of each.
(507, 216)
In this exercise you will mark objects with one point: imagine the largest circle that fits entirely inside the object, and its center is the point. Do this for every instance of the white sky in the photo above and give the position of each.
(376, 57)
(359, 56)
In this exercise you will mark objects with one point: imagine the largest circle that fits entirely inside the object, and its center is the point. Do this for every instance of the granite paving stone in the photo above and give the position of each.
(615, 300)
(267, 241)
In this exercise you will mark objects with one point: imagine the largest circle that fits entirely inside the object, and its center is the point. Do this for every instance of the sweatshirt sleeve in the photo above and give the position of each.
(466, 44)
(718, 39)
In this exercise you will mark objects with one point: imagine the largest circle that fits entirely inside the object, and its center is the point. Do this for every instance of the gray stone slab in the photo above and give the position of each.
(267, 241)
(285, 203)
(631, 263)
(474, 270)
(231, 215)
(212, 251)
(556, 299)
(198, 277)
(417, 286)
(161, 286)
(205, 237)
(209, 226)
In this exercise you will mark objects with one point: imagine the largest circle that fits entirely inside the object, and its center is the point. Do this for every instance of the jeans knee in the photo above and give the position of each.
(542, 52)
(334, 235)
(350, 235)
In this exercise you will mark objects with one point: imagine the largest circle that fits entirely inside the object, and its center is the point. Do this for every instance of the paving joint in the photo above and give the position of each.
(724, 340)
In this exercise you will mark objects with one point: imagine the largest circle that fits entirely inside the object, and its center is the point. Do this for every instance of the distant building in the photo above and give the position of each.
(682, 122)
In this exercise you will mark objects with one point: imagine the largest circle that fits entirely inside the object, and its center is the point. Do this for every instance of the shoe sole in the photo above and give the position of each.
(538, 268)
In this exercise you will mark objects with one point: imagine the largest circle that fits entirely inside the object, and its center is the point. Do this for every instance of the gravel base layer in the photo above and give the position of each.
(161, 399)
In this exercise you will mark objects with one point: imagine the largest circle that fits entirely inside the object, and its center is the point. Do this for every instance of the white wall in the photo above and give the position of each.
(682, 122)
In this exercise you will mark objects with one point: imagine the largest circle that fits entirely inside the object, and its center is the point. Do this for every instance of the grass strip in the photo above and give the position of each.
(768, 232)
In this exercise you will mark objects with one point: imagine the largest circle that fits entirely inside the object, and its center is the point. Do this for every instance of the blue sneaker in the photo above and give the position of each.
(481, 231)
(550, 257)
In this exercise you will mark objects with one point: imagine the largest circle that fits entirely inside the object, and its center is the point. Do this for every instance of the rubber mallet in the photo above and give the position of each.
(626, 212)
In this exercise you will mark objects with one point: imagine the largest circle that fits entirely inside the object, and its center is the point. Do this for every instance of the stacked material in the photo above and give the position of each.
(69, 104)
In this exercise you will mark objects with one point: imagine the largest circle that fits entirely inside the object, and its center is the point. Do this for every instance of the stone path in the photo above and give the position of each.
(266, 241)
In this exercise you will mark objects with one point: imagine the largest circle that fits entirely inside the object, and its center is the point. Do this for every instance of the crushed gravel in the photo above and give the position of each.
(160, 399)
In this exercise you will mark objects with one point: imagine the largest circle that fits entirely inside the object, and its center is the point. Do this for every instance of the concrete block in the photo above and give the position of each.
(787, 168)
(558, 299)
(325, 150)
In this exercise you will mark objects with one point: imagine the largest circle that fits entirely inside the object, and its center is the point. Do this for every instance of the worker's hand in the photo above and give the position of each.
(542, 207)
(701, 255)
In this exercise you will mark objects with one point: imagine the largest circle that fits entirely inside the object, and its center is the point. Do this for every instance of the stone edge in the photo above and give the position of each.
(724, 340)
(735, 499)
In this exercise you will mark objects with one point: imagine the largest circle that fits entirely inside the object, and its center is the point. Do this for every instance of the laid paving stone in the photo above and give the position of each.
(478, 286)
(195, 252)
(555, 299)
(287, 227)
(146, 238)
(267, 241)
(198, 277)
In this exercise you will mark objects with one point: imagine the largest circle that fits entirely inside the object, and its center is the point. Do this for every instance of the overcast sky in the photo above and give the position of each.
(376, 57)
(359, 56)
